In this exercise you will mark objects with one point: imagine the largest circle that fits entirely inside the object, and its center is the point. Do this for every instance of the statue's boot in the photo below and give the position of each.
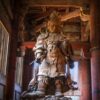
(58, 90)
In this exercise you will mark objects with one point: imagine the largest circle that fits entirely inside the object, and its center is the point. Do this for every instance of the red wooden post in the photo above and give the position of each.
(95, 48)
(85, 79)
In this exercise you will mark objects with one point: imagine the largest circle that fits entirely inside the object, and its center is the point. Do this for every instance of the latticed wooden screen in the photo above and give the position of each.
(4, 42)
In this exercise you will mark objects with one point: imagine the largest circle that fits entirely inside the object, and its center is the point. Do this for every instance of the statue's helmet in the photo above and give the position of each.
(54, 22)
(55, 17)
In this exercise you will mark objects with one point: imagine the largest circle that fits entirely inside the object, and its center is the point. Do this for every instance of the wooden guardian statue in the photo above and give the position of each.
(53, 51)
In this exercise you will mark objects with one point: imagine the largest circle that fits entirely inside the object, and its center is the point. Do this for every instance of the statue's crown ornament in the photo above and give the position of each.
(55, 17)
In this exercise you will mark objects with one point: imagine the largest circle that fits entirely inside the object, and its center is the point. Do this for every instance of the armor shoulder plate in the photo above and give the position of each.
(42, 36)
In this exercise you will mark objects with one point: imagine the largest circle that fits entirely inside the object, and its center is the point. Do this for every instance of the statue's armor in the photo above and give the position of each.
(54, 63)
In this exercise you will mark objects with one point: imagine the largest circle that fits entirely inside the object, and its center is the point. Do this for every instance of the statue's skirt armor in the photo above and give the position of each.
(54, 63)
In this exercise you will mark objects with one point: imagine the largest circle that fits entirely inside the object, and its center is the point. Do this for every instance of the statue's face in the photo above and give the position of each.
(52, 26)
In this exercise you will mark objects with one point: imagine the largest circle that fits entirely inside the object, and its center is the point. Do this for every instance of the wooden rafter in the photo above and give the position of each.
(56, 3)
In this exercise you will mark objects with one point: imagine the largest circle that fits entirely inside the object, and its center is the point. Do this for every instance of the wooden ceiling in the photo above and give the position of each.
(35, 12)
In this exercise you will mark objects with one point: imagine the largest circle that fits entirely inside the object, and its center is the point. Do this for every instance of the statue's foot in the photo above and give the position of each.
(59, 94)
(35, 94)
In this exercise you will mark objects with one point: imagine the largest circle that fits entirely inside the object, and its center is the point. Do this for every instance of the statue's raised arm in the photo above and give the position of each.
(40, 48)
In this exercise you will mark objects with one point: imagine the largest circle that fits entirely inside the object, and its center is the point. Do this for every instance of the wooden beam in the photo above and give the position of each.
(28, 44)
(77, 46)
(57, 3)
(74, 14)
(70, 15)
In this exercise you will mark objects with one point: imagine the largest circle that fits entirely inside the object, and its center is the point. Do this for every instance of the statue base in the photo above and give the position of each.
(47, 97)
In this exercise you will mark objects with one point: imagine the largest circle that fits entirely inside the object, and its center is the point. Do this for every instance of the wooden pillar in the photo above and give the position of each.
(85, 79)
(95, 48)
(10, 80)
(27, 69)
(15, 37)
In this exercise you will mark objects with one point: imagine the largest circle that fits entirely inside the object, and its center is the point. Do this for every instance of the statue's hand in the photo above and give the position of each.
(38, 60)
(71, 63)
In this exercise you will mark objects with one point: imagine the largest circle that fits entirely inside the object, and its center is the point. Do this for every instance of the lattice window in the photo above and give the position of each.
(4, 41)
